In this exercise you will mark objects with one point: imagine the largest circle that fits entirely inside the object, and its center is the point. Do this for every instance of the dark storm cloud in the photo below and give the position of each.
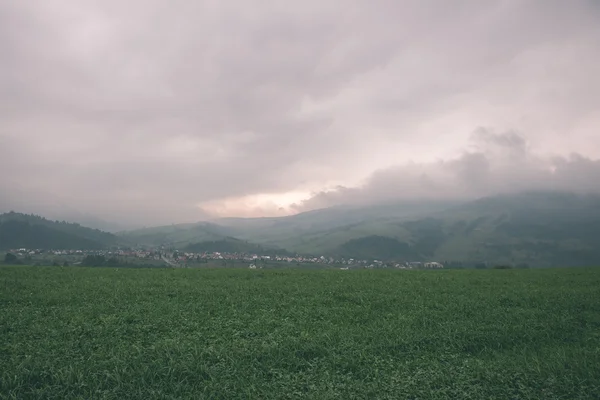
(142, 110)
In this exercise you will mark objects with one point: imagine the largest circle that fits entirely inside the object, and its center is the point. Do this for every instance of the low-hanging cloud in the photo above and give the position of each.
(496, 163)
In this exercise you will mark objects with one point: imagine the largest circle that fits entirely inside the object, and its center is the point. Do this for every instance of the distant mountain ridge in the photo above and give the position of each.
(535, 228)
(31, 231)
(280, 232)
(232, 245)
(179, 235)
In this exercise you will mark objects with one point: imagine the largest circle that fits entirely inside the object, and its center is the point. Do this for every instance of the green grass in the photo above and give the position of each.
(322, 334)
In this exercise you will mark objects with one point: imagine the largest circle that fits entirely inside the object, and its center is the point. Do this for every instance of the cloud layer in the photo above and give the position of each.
(496, 163)
(146, 111)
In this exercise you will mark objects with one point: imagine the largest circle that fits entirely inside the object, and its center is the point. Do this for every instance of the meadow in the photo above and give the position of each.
(101, 333)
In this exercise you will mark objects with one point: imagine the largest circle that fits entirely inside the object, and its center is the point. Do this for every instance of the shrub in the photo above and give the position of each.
(10, 258)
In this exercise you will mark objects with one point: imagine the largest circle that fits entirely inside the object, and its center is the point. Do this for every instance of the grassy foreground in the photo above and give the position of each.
(380, 334)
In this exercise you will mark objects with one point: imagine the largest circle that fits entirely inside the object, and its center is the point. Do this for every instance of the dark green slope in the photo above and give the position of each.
(294, 232)
(231, 245)
(34, 232)
(378, 247)
(178, 236)
(538, 228)
(297, 231)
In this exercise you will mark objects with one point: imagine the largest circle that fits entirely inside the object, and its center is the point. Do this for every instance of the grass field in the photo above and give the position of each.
(321, 334)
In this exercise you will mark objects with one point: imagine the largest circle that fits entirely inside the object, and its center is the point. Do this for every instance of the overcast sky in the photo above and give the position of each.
(160, 111)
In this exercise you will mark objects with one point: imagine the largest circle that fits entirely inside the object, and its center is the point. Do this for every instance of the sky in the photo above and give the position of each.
(150, 112)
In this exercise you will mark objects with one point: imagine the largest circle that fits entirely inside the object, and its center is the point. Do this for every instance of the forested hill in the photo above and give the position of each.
(533, 228)
(233, 245)
(32, 231)
(537, 228)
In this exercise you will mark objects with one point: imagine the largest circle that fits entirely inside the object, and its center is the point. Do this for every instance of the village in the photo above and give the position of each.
(174, 258)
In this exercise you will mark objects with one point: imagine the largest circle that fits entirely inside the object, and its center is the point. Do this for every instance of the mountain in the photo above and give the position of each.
(177, 236)
(298, 232)
(231, 245)
(31, 231)
(283, 232)
(534, 228)
(91, 221)
(539, 228)
(51, 207)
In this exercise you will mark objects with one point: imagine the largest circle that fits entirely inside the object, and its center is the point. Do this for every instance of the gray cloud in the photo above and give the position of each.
(142, 110)
(497, 163)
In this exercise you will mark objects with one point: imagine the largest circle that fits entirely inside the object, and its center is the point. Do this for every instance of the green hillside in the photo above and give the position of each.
(535, 228)
(179, 236)
(532, 228)
(294, 232)
(31, 231)
(381, 247)
(231, 245)
(298, 230)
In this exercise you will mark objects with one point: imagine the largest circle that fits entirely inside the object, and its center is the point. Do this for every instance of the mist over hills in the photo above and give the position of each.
(179, 235)
(291, 231)
(535, 228)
